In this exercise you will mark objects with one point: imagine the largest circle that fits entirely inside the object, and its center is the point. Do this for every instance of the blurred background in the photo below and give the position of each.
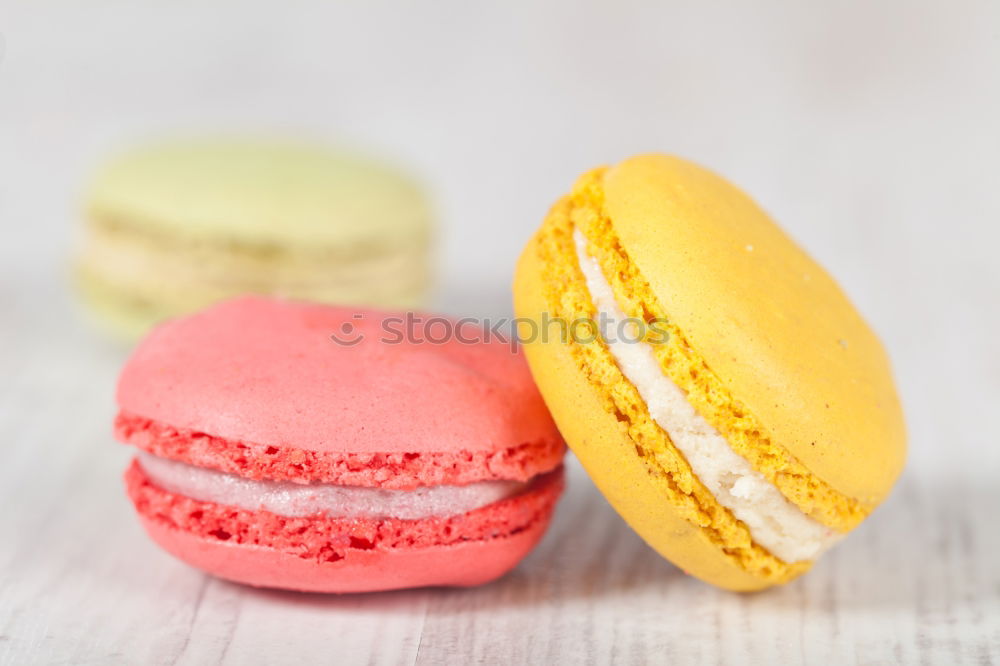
(868, 129)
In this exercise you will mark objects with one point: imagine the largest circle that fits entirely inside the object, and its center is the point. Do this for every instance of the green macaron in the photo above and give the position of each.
(174, 226)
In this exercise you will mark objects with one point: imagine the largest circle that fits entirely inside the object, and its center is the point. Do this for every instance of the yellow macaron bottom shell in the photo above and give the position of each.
(685, 367)
(131, 278)
(607, 424)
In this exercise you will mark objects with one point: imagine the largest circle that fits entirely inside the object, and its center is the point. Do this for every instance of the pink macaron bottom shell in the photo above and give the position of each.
(321, 554)
(383, 470)
(457, 565)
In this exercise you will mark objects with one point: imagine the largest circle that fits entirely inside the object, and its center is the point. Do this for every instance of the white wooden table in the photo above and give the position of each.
(868, 129)
(80, 583)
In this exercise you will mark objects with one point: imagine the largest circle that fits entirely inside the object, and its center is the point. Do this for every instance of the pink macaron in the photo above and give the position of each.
(314, 448)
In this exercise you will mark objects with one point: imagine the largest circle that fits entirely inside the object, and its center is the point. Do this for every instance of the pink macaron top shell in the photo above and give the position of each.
(398, 470)
(267, 372)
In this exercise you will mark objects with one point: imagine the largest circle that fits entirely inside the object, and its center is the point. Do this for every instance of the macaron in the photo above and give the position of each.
(174, 226)
(315, 448)
(715, 382)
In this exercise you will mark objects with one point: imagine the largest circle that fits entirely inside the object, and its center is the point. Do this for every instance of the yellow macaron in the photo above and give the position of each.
(715, 382)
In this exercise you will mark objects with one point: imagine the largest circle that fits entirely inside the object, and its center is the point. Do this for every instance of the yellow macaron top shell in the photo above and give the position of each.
(258, 193)
(768, 321)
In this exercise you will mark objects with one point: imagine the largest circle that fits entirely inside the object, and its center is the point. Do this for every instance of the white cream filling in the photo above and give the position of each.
(297, 500)
(774, 522)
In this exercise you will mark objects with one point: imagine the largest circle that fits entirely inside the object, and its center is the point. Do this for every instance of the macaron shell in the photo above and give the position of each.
(466, 564)
(261, 192)
(267, 372)
(120, 277)
(608, 454)
(401, 470)
(766, 318)
(120, 318)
